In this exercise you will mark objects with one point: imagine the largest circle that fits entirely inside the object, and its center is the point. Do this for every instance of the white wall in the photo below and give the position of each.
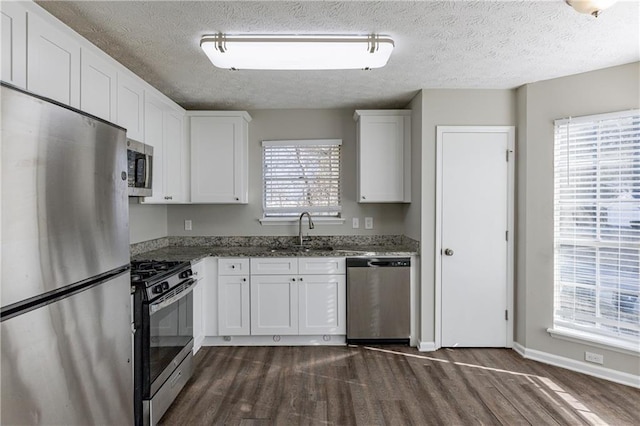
(242, 220)
(607, 90)
(146, 222)
(441, 108)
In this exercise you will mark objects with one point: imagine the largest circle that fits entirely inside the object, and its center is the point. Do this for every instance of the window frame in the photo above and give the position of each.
(329, 215)
(571, 328)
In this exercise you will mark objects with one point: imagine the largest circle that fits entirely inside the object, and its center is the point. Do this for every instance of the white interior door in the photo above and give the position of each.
(475, 186)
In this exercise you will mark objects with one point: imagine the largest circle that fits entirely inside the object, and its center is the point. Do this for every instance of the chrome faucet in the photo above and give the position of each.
(300, 226)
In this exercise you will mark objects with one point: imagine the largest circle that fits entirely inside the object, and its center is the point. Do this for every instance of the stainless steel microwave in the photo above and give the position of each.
(140, 168)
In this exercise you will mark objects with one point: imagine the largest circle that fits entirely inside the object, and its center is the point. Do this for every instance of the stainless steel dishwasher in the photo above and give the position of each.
(378, 300)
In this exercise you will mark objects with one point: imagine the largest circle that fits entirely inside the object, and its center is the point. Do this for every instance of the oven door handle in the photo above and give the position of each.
(155, 307)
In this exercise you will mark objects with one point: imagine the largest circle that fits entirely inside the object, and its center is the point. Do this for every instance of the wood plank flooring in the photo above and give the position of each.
(392, 385)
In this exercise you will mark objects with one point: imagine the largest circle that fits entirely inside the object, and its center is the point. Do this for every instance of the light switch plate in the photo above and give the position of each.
(188, 225)
(368, 223)
(355, 223)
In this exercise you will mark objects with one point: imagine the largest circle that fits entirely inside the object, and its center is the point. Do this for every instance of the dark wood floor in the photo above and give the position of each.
(392, 386)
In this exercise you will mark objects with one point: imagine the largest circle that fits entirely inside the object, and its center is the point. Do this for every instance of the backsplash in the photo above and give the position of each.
(269, 241)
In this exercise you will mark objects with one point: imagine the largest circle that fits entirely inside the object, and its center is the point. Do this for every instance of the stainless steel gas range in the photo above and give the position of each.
(163, 339)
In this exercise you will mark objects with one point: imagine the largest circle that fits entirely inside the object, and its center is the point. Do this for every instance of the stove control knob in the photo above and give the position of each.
(186, 273)
(157, 289)
(165, 285)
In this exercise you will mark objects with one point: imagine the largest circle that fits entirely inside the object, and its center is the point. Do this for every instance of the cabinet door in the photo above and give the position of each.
(14, 43)
(153, 135)
(233, 305)
(322, 304)
(218, 160)
(98, 86)
(173, 148)
(130, 107)
(53, 59)
(274, 304)
(381, 159)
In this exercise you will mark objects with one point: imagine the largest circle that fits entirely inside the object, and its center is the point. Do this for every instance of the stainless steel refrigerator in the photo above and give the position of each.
(66, 335)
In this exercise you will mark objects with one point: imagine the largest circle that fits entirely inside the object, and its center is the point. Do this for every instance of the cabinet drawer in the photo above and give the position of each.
(321, 265)
(274, 265)
(233, 266)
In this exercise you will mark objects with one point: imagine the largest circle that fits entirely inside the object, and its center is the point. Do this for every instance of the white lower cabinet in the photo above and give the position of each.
(198, 301)
(233, 297)
(233, 305)
(274, 304)
(285, 296)
(322, 304)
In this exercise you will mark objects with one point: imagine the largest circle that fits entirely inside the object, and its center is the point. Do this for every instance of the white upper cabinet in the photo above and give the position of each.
(53, 62)
(14, 43)
(130, 110)
(219, 156)
(384, 156)
(98, 86)
(163, 129)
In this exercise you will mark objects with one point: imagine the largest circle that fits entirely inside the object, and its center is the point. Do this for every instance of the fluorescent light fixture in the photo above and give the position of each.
(297, 52)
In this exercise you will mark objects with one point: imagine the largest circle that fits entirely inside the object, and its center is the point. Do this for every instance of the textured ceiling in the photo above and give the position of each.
(439, 44)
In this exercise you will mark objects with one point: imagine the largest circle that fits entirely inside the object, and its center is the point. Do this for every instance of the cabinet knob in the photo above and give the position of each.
(233, 266)
(244, 279)
(237, 199)
(293, 279)
(168, 198)
(364, 198)
(300, 278)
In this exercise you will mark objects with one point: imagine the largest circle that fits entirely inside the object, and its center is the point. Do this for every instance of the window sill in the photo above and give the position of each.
(603, 342)
(294, 220)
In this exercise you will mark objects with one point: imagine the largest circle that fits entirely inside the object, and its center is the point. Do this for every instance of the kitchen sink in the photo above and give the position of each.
(304, 249)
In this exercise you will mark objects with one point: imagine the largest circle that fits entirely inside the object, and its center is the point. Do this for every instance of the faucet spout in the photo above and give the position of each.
(311, 226)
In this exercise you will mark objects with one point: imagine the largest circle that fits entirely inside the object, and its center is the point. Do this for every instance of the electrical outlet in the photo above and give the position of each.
(595, 358)
(188, 225)
(368, 223)
(355, 223)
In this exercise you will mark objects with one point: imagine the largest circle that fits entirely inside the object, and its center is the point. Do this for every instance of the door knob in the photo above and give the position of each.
(448, 252)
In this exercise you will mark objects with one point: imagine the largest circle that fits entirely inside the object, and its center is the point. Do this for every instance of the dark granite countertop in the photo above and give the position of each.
(195, 253)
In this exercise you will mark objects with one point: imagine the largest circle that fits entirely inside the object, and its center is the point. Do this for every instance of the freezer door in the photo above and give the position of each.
(64, 196)
(70, 362)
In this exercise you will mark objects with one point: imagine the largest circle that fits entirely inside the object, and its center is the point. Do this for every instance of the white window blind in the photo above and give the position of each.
(301, 175)
(597, 224)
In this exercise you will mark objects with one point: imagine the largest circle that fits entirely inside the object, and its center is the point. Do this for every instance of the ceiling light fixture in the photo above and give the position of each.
(297, 52)
(592, 7)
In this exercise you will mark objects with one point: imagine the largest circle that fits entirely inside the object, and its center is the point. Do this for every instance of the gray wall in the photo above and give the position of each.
(441, 108)
(413, 217)
(146, 222)
(242, 220)
(540, 103)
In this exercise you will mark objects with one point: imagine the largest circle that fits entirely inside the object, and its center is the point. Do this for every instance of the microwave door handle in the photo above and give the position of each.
(147, 177)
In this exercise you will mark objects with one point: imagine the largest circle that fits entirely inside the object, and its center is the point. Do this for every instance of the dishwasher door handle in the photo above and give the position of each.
(378, 263)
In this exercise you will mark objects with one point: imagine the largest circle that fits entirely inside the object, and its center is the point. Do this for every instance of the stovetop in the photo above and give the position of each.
(148, 272)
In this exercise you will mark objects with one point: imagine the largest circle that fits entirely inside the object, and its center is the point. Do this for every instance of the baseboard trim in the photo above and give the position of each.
(578, 366)
(427, 346)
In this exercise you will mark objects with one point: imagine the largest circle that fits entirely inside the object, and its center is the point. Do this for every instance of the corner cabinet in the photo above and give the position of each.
(219, 156)
(384, 156)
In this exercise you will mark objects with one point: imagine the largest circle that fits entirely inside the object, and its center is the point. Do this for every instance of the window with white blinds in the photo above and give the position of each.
(301, 175)
(597, 225)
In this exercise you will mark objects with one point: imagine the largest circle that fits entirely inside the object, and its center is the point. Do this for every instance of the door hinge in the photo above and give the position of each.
(506, 315)
(506, 235)
(507, 155)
